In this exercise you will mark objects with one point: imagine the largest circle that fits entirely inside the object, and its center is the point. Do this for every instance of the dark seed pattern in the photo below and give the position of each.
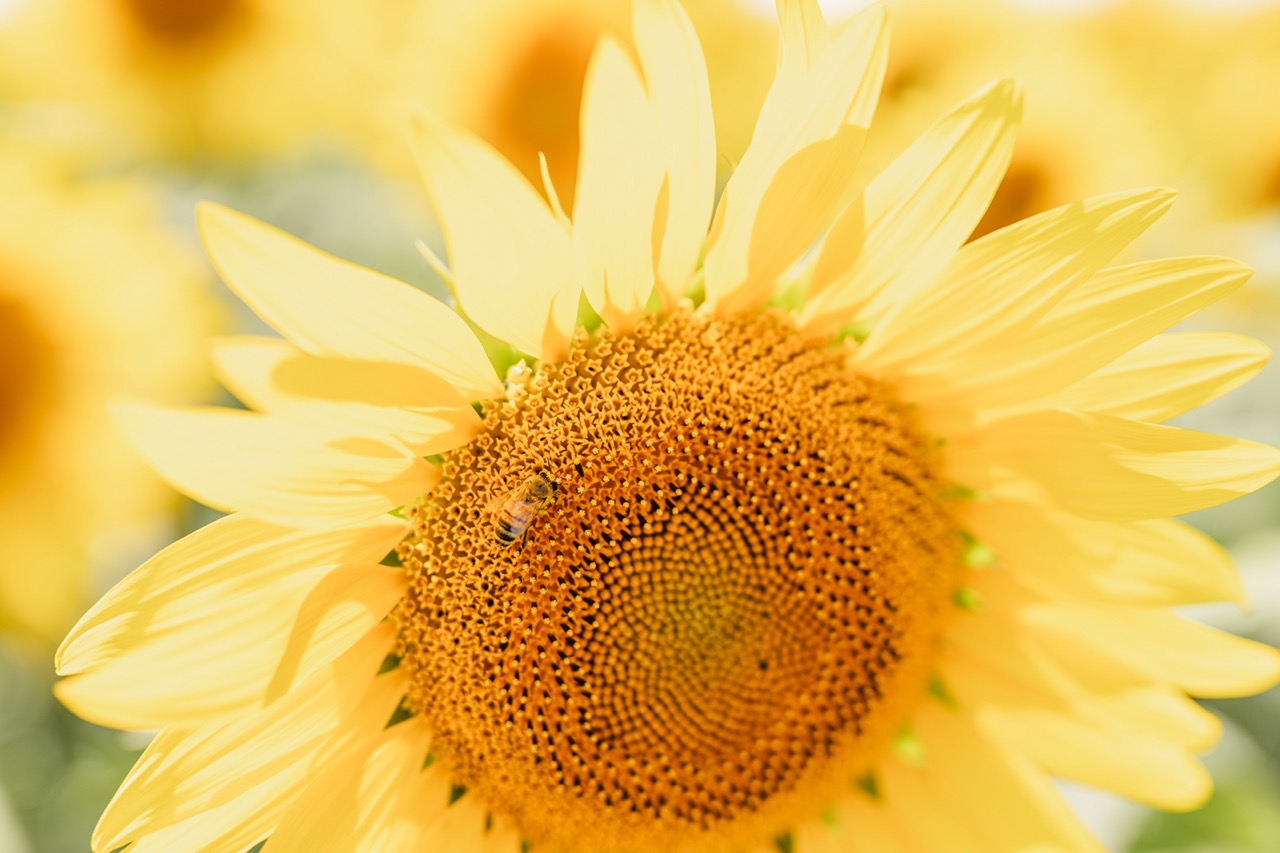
(732, 602)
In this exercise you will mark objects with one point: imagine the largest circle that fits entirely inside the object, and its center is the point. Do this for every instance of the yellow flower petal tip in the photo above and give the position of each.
(854, 497)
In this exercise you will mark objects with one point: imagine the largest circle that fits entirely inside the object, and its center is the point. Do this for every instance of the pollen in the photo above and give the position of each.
(723, 605)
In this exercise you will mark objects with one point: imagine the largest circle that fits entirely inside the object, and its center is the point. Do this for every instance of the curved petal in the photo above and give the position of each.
(330, 307)
(273, 468)
(1163, 646)
(913, 216)
(468, 825)
(795, 176)
(229, 564)
(997, 669)
(1094, 324)
(226, 786)
(371, 399)
(1013, 805)
(370, 800)
(247, 652)
(620, 175)
(1003, 283)
(243, 364)
(513, 261)
(1166, 376)
(1159, 561)
(1146, 769)
(947, 828)
(676, 76)
(858, 825)
(1110, 468)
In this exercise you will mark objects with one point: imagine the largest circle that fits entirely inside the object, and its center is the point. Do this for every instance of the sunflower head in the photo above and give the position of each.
(642, 647)
(832, 526)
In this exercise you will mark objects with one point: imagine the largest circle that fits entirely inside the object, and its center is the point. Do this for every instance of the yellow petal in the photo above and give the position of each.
(1093, 325)
(1002, 284)
(272, 468)
(860, 826)
(512, 260)
(1164, 647)
(1164, 712)
(468, 826)
(330, 307)
(226, 786)
(796, 174)
(946, 829)
(1129, 724)
(680, 96)
(370, 800)
(244, 364)
(913, 216)
(620, 175)
(1014, 806)
(374, 399)
(233, 563)
(244, 658)
(343, 606)
(997, 660)
(1159, 561)
(1142, 768)
(1110, 468)
(1166, 376)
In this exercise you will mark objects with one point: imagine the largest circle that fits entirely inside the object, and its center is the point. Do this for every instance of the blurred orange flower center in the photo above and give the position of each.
(180, 23)
(26, 374)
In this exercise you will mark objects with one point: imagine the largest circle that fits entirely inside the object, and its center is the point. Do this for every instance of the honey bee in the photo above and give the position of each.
(515, 511)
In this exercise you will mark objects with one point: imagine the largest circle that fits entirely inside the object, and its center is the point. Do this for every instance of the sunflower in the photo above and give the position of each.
(199, 77)
(92, 286)
(812, 527)
(1079, 100)
(1219, 61)
(513, 73)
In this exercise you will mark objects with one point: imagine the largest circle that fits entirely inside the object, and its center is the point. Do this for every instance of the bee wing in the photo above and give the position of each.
(497, 503)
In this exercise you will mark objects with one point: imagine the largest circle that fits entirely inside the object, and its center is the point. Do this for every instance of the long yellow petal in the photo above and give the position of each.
(512, 260)
(1002, 284)
(1096, 687)
(620, 175)
(1121, 726)
(370, 800)
(232, 563)
(469, 826)
(330, 307)
(946, 829)
(796, 174)
(370, 399)
(243, 364)
(1166, 376)
(246, 656)
(1162, 645)
(860, 825)
(226, 786)
(676, 77)
(1109, 468)
(1159, 561)
(913, 216)
(1011, 804)
(274, 468)
(1092, 326)
(1141, 768)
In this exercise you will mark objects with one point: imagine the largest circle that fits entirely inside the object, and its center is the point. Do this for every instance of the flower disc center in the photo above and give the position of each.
(725, 601)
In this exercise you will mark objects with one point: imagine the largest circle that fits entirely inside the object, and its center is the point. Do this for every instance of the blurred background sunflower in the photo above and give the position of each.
(117, 115)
